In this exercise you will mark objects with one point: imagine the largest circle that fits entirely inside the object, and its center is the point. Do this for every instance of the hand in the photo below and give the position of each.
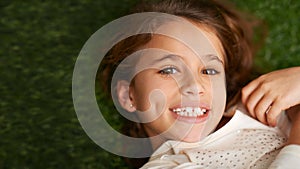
(266, 96)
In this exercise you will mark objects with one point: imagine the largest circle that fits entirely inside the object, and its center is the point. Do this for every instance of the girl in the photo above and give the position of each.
(174, 83)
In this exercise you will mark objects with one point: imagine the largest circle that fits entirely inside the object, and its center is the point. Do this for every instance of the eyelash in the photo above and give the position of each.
(168, 70)
(210, 71)
(172, 70)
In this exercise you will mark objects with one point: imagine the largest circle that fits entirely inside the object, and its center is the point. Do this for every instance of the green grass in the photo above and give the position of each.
(39, 44)
(282, 45)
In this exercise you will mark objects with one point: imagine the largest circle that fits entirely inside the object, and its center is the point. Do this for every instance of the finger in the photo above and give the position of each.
(248, 89)
(253, 100)
(262, 108)
(273, 113)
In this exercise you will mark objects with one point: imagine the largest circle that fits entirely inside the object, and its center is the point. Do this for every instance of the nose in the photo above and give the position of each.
(192, 86)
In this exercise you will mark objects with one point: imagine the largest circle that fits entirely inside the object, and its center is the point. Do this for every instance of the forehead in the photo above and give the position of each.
(182, 39)
(213, 38)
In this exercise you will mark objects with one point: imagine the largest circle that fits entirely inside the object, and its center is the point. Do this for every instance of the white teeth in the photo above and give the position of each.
(198, 111)
(190, 111)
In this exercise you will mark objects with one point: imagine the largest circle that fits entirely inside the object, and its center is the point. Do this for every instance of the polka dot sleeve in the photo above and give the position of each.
(250, 148)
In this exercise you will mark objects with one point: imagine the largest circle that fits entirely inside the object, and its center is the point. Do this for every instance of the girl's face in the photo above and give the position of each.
(178, 94)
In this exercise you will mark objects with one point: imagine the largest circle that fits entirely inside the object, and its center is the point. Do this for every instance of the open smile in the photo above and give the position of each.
(190, 114)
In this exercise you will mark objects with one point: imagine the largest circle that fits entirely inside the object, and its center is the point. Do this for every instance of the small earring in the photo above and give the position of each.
(131, 106)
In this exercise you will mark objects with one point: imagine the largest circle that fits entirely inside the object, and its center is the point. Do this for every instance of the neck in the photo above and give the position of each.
(156, 142)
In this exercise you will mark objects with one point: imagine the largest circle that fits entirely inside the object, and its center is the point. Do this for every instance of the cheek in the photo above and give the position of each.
(218, 95)
(207, 84)
(140, 97)
(141, 89)
(153, 92)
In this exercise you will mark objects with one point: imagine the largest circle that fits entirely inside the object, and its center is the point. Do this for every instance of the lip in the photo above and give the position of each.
(188, 119)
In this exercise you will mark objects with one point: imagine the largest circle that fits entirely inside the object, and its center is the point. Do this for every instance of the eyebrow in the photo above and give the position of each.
(166, 57)
(212, 57)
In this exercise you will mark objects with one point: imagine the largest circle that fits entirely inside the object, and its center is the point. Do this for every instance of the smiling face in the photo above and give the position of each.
(178, 94)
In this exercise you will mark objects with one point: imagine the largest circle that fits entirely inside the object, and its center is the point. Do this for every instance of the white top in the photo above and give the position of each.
(242, 143)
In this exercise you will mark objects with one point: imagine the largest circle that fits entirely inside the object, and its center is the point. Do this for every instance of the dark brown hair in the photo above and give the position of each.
(234, 32)
(232, 28)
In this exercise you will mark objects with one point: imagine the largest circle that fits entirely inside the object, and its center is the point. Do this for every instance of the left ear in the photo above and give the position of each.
(123, 96)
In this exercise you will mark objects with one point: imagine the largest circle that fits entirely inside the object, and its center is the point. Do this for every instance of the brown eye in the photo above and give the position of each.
(210, 71)
(168, 71)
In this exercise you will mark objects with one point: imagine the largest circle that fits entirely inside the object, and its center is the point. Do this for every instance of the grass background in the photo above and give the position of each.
(39, 44)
